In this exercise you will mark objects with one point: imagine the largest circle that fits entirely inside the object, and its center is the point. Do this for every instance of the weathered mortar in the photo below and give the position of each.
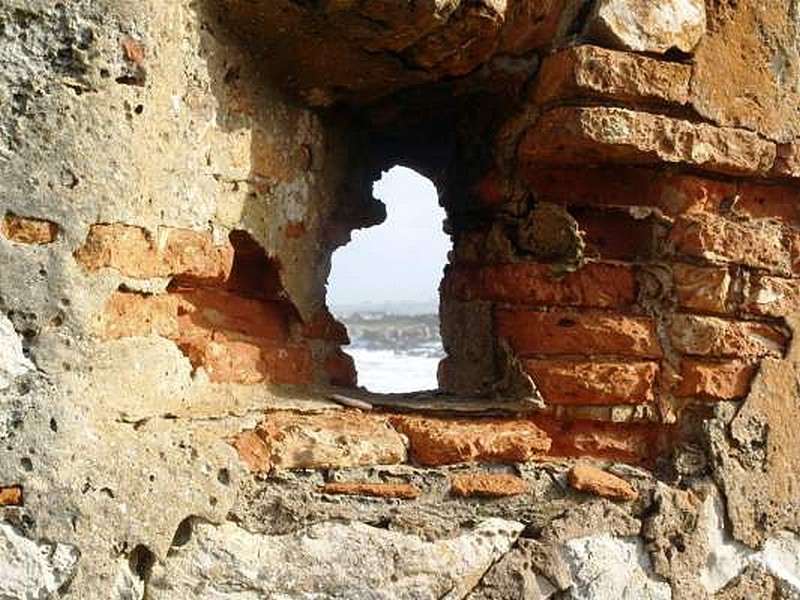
(622, 290)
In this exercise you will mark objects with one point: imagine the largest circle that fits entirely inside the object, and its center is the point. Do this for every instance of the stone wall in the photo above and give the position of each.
(178, 418)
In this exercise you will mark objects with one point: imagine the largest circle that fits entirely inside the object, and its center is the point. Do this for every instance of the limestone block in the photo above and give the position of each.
(330, 560)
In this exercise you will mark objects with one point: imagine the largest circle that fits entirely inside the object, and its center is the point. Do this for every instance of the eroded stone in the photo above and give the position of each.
(488, 485)
(330, 560)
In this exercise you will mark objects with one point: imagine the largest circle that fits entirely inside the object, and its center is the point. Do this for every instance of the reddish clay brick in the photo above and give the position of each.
(135, 253)
(769, 201)
(335, 439)
(443, 441)
(10, 495)
(623, 442)
(712, 336)
(405, 491)
(593, 285)
(561, 332)
(490, 189)
(28, 230)
(593, 382)
(220, 310)
(590, 71)
(340, 369)
(592, 480)
(613, 234)
(604, 134)
(673, 194)
(704, 289)
(721, 380)
(773, 296)
(761, 244)
(487, 485)
(139, 315)
(250, 361)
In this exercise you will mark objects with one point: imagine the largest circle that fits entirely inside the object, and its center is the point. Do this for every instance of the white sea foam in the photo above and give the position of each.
(386, 371)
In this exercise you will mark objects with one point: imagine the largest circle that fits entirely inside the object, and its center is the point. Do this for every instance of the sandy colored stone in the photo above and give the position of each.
(437, 441)
(27, 230)
(593, 382)
(711, 336)
(598, 285)
(703, 289)
(342, 438)
(646, 26)
(330, 560)
(135, 252)
(756, 243)
(592, 480)
(11, 495)
(405, 491)
(787, 163)
(578, 135)
(591, 71)
(487, 485)
(587, 332)
(723, 380)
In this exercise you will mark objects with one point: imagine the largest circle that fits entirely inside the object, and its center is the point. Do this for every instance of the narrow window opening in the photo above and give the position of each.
(384, 286)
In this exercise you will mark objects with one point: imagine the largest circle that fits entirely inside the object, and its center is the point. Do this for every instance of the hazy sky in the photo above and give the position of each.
(400, 260)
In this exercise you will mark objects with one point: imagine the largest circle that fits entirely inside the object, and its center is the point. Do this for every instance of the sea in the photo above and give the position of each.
(394, 353)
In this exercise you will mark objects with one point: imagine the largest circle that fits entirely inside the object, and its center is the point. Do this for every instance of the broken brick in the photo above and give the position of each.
(487, 485)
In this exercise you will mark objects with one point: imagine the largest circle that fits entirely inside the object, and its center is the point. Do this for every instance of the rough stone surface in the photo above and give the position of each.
(724, 380)
(644, 26)
(603, 566)
(712, 336)
(758, 65)
(488, 485)
(755, 456)
(330, 560)
(587, 478)
(443, 441)
(286, 440)
(576, 135)
(31, 569)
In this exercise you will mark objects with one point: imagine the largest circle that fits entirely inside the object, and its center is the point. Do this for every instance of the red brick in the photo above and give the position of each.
(491, 189)
(713, 336)
(673, 194)
(760, 244)
(10, 495)
(592, 480)
(593, 285)
(593, 382)
(561, 332)
(704, 289)
(721, 380)
(28, 230)
(590, 71)
(773, 296)
(220, 310)
(487, 485)
(769, 201)
(623, 442)
(604, 134)
(334, 439)
(250, 361)
(405, 491)
(437, 441)
(140, 315)
(135, 253)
